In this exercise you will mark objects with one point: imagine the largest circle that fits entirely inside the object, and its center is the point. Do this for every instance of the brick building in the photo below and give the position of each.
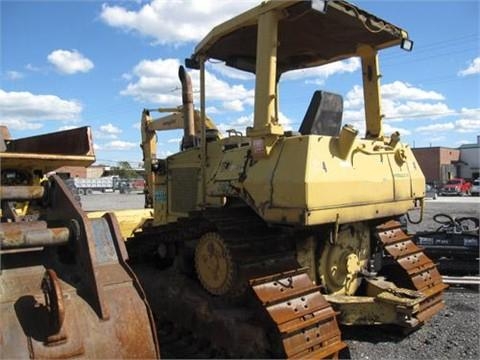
(439, 164)
(94, 171)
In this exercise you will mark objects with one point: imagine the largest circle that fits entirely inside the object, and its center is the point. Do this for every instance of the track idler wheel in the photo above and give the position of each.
(342, 260)
(214, 265)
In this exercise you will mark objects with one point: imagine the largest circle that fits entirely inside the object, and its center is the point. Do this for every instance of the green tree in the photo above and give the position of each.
(125, 170)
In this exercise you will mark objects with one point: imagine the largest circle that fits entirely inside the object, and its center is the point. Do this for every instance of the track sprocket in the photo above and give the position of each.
(213, 264)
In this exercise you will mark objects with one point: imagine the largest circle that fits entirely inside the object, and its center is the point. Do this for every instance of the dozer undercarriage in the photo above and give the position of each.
(263, 284)
(65, 288)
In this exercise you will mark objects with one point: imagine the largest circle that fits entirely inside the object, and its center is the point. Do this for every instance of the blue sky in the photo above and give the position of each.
(99, 63)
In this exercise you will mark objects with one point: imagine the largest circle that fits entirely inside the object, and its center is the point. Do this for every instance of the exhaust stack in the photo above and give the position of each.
(188, 140)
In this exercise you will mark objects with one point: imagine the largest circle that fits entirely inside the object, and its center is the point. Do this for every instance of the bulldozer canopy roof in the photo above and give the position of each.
(306, 37)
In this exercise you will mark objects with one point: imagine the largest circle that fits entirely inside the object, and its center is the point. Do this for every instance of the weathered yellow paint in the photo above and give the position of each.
(300, 179)
(129, 220)
(384, 303)
(306, 181)
(265, 116)
(371, 91)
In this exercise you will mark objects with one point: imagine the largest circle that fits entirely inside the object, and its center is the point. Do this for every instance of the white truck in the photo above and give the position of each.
(86, 186)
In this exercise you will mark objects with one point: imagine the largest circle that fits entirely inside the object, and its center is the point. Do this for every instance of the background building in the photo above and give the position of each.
(470, 160)
(439, 164)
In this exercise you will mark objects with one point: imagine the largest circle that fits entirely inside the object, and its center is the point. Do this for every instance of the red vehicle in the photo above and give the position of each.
(456, 186)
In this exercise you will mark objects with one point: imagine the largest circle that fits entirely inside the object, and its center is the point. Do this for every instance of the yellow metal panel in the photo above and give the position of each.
(401, 178)
(311, 184)
(231, 165)
(258, 183)
(344, 214)
(371, 91)
(332, 181)
(129, 220)
(289, 182)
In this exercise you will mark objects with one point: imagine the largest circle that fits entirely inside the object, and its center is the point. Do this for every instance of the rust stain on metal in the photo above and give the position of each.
(73, 303)
(418, 267)
(25, 235)
(55, 307)
(306, 321)
(21, 192)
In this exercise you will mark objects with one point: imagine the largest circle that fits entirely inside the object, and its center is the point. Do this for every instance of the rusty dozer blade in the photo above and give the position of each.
(65, 289)
(304, 319)
(49, 151)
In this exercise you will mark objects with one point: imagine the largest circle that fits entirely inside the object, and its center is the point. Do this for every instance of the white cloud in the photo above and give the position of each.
(156, 81)
(467, 113)
(97, 135)
(230, 72)
(401, 90)
(31, 67)
(436, 127)
(119, 145)
(24, 110)
(19, 124)
(469, 122)
(240, 124)
(127, 76)
(70, 62)
(174, 22)
(110, 129)
(136, 125)
(395, 110)
(318, 75)
(234, 105)
(174, 140)
(14, 75)
(212, 110)
(217, 89)
(473, 68)
(285, 121)
(389, 129)
(467, 125)
(67, 127)
(400, 101)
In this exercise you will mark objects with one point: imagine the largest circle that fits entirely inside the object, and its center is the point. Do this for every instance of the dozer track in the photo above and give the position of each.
(304, 321)
(418, 271)
(268, 284)
(302, 316)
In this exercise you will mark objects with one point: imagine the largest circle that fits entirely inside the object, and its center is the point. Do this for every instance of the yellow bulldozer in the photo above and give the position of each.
(303, 228)
(66, 290)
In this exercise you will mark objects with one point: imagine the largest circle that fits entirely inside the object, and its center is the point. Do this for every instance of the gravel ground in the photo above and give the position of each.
(452, 334)
(453, 206)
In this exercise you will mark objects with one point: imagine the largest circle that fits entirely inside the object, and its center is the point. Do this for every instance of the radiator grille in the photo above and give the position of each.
(184, 189)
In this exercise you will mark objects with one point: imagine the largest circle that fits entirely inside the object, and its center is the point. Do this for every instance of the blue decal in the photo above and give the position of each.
(161, 196)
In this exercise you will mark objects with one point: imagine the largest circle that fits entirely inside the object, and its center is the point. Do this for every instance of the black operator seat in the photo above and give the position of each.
(324, 115)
